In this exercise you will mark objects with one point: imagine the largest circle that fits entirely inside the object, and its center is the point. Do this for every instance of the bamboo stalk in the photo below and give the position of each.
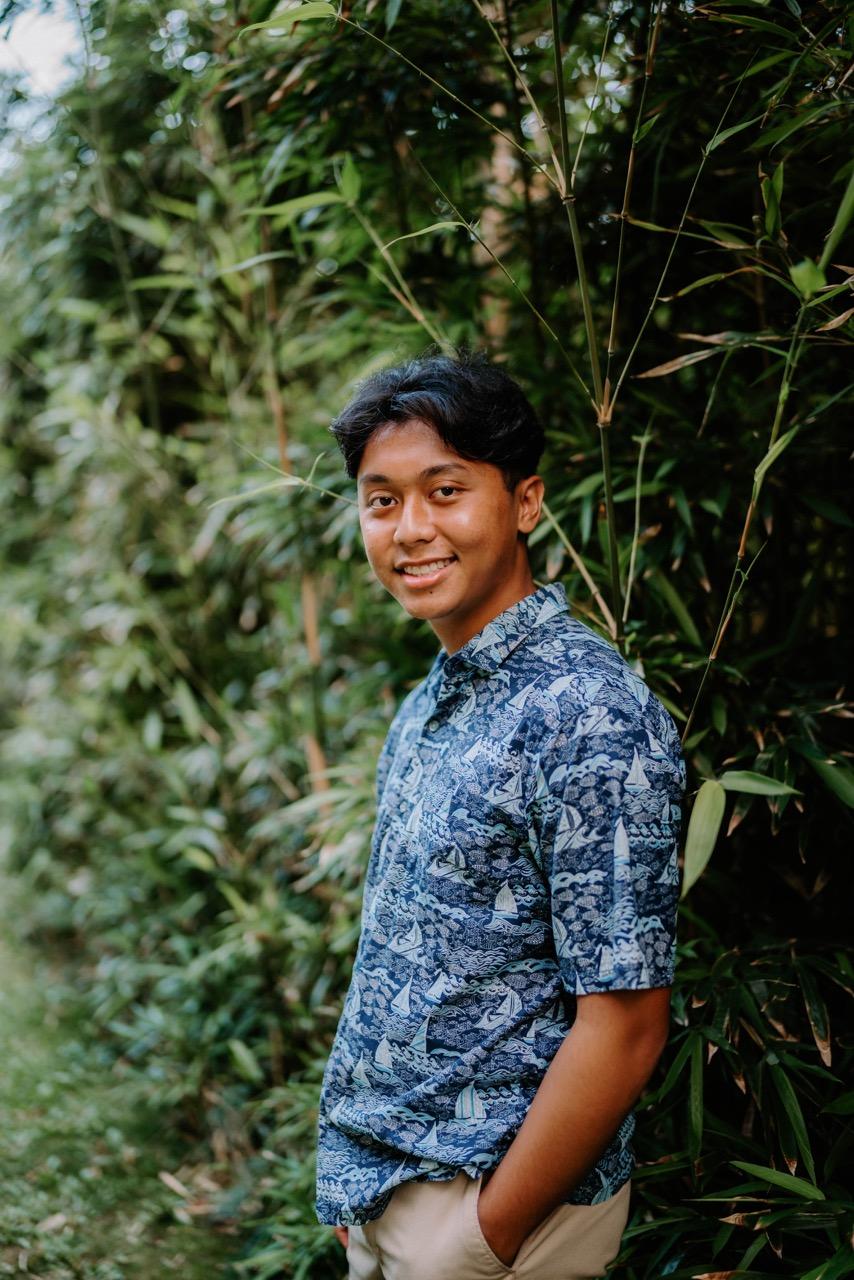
(643, 442)
(601, 393)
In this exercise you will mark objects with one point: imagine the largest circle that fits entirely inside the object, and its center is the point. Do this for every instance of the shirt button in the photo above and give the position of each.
(433, 725)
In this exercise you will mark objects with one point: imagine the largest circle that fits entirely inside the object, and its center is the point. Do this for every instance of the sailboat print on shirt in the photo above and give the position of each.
(439, 988)
(509, 794)
(451, 866)
(469, 1104)
(359, 1074)
(400, 1003)
(505, 911)
(413, 822)
(432, 1140)
(510, 1006)
(419, 1040)
(636, 780)
(408, 942)
(551, 1023)
(383, 1060)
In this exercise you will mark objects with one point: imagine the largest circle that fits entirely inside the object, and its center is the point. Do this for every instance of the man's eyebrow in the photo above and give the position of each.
(441, 468)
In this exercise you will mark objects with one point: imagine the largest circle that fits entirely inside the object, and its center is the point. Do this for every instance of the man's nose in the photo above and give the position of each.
(415, 522)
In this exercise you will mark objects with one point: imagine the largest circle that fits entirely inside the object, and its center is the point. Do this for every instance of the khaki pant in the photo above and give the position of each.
(431, 1231)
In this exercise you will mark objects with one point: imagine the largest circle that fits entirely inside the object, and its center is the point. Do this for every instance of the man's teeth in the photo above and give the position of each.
(420, 570)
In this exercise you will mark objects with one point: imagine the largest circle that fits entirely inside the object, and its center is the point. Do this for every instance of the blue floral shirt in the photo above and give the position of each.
(528, 809)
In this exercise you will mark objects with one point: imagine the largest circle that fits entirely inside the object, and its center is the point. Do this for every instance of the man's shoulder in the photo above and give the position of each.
(573, 660)
(568, 669)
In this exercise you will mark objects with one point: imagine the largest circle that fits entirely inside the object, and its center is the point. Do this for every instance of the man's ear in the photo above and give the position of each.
(529, 496)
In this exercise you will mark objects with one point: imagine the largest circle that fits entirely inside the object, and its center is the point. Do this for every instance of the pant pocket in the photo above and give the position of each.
(499, 1268)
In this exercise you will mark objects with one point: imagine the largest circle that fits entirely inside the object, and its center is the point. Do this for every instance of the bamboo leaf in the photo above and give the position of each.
(675, 1069)
(816, 1012)
(695, 1098)
(643, 129)
(349, 181)
(758, 784)
(841, 1106)
(844, 214)
(773, 454)
(187, 709)
(199, 858)
(239, 904)
(255, 261)
(299, 204)
(282, 21)
(763, 63)
(785, 130)
(723, 233)
(424, 231)
(165, 281)
(704, 280)
(788, 1182)
(839, 777)
(665, 587)
(841, 1264)
(729, 133)
(757, 24)
(836, 322)
(772, 195)
(151, 230)
(245, 1061)
(703, 827)
(169, 204)
(792, 1107)
(807, 277)
(692, 357)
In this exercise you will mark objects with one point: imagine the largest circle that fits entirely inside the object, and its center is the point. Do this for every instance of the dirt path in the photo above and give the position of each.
(80, 1156)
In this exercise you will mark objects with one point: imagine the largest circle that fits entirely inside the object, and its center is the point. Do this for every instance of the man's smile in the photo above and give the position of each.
(424, 573)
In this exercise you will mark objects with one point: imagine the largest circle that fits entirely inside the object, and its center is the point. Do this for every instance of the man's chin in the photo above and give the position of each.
(424, 607)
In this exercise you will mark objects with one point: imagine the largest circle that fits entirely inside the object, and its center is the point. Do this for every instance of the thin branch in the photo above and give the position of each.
(522, 294)
(460, 101)
(607, 615)
(527, 92)
(593, 97)
(643, 441)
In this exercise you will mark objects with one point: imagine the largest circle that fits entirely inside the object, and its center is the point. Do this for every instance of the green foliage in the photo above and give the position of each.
(231, 216)
(89, 1174)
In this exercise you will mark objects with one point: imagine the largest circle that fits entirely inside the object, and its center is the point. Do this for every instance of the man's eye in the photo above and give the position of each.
(447, 490)
(381, 499)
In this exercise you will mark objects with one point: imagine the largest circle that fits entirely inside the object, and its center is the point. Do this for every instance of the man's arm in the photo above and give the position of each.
(590, 1085)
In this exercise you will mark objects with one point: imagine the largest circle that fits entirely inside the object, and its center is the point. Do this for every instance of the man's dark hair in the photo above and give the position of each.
(474, 406)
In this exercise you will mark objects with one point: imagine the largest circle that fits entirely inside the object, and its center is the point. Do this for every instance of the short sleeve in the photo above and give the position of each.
(604, 825)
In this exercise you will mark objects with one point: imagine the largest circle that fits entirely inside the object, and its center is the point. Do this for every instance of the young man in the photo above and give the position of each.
(510, 993)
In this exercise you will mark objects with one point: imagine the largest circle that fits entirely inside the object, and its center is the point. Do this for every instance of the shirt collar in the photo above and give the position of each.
(486, 650)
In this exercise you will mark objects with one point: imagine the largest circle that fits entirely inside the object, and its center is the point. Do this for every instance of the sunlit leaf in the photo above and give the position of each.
(807, 277)
(704, 825)
(282, 21)
(299, 204)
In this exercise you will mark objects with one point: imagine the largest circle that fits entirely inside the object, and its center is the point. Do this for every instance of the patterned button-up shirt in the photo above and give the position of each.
(528, 809)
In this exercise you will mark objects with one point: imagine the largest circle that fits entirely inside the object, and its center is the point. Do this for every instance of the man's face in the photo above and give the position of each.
(441, 532)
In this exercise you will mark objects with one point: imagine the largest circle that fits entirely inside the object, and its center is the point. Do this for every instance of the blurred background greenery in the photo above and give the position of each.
(197, 263)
